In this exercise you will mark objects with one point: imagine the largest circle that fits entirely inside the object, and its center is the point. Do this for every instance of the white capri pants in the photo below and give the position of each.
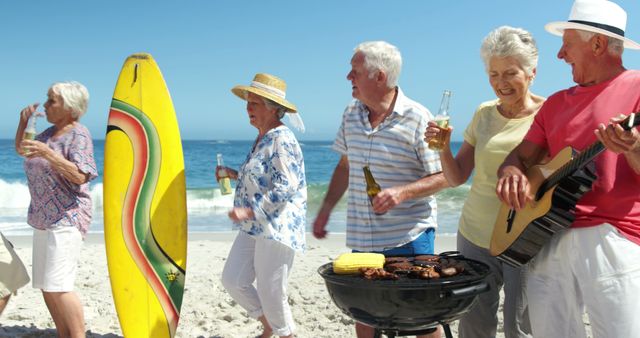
(594, 269)
(268, 262)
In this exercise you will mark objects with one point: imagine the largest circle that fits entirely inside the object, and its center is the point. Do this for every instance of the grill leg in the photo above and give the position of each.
(377, 333)
(447, 331)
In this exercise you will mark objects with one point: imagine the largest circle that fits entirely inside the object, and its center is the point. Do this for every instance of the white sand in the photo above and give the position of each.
(207, 310)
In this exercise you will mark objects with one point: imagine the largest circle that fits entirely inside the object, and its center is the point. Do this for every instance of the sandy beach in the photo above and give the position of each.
(207, 311)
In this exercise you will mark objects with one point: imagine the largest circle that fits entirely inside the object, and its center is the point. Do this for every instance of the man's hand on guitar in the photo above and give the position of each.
(616, 139)
(513, 188)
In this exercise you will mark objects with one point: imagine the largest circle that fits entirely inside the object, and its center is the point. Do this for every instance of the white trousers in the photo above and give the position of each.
(594, 269)
(268, 263)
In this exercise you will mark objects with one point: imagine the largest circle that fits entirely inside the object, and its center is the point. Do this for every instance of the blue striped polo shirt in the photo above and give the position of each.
(397, 155)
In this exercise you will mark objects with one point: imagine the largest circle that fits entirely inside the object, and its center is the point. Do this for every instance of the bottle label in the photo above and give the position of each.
(225, 185)
(29, 135)
(442, 121)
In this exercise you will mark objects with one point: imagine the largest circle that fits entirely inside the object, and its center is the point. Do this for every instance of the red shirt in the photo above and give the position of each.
(569, 118)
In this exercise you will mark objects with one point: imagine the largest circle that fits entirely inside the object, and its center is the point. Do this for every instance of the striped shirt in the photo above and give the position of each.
(397, 155)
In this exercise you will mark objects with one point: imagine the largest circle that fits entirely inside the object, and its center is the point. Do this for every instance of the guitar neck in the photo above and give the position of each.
(570, 167)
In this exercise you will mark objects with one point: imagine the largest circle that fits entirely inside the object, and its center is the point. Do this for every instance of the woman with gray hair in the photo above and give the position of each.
(510, 57)
(59, 164)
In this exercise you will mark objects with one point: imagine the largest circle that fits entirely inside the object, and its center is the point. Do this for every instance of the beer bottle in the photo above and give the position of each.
(372, 187)
(442, 119)
(223, 177)
(30, 132)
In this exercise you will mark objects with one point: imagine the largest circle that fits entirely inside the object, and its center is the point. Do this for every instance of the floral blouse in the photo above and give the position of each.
(55, 201)
(272, 183)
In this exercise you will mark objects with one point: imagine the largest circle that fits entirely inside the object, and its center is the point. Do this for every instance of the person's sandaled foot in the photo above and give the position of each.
(265, 334)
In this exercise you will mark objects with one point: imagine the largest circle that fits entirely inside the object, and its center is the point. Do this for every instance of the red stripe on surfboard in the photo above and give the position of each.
(135, 131)
(137, 134)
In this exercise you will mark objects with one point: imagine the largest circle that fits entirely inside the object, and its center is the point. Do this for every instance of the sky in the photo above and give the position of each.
(204, 48)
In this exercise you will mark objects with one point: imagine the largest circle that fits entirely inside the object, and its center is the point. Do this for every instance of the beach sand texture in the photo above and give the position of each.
(208, 311)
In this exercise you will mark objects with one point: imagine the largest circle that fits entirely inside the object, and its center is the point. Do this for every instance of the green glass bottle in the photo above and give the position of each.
(373, 188)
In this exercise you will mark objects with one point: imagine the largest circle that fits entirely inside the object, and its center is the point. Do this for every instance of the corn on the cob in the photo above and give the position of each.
(350, 263)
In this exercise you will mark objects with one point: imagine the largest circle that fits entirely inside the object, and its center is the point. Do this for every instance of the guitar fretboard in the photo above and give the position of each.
(570, 167)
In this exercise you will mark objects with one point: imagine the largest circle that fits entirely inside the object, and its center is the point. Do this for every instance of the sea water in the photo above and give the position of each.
(207, 208)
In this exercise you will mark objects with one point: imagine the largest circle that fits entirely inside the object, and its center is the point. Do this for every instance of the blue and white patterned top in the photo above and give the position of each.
(272, 183)
(397, 155)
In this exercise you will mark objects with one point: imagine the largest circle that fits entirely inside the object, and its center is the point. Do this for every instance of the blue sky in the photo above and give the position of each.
(206, 47)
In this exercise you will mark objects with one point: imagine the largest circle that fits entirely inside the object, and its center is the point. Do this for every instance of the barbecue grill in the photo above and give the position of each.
(407, 306)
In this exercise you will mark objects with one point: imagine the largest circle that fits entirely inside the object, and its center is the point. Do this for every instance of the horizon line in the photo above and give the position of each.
(243, 140)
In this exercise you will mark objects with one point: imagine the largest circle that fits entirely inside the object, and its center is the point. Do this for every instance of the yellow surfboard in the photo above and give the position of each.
(145, 211)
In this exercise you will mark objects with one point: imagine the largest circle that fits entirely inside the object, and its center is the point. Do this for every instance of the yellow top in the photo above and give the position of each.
(493, 136)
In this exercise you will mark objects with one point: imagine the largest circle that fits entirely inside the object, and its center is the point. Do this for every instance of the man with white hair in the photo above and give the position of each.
(595, 264)
(382, 130)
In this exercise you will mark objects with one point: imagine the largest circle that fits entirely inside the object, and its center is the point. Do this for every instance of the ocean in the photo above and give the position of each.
(207, 208)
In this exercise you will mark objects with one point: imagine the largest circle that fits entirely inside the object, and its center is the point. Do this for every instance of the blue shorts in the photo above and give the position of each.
(423, 245)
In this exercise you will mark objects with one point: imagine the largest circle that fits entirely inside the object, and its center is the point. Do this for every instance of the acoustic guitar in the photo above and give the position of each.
(558, 185)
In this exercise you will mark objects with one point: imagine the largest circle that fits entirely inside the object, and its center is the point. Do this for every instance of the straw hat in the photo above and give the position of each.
(267, 86)
(598, 16)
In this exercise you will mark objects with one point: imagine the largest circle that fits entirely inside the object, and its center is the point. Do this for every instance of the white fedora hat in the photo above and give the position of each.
(599, 16)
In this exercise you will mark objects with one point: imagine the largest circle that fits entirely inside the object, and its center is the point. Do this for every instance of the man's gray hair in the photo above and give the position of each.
(381, 56)
(616, 46)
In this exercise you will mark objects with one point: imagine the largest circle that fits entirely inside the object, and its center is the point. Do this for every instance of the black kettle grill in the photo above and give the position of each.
(408, 306)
